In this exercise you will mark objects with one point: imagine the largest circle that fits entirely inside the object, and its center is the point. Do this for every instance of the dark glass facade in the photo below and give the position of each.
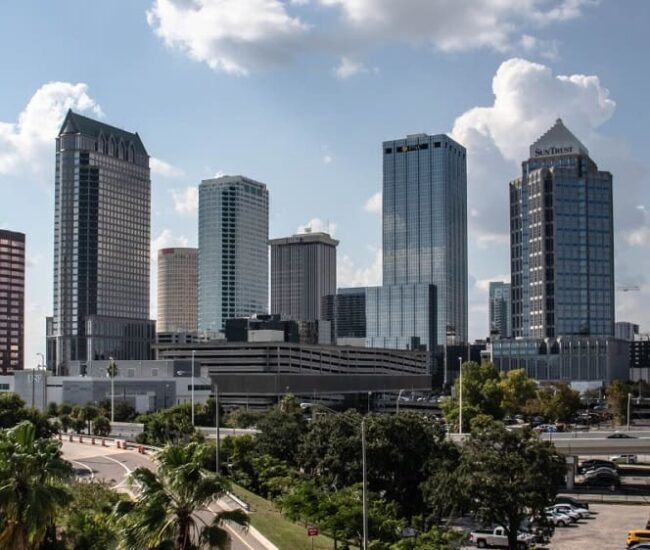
(425, 224)
(562, 242)
(12, 300)
(347, 311)
(102, 234)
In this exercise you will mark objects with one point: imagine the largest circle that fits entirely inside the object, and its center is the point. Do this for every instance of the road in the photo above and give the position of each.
(113, 465)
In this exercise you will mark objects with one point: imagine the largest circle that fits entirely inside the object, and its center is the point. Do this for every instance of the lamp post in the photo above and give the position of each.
(216, 406)
(460, 399)
(364, 545)
(629, 400)
(193, 352)
(112, 371)
(399, 396)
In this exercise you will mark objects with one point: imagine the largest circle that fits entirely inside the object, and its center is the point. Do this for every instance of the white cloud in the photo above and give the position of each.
(29, 142)
(351, 275)
(316, 225)
(640, 236)
(349, 67)
(186, 200)
(234, 36)
(161, 168)
(452, 25)
(374, 203)
(327, 159)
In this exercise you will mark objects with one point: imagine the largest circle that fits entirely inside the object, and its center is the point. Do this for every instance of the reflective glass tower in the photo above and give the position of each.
(233, 250)
(562, 241)
(102, 239)
(500, 310)
(425, 225)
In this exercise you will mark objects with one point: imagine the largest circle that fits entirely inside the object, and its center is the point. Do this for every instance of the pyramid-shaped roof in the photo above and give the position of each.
(74, 123)
(558, 140)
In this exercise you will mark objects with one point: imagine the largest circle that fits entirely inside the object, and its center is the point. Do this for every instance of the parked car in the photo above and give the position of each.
(497, 538)
(567, 508)
(603, 480)
(624, 459)
(563, 499)
(558, 519)
(601, 470)
(636, 536)
(641, 546)
(621, 435)
(562, 509)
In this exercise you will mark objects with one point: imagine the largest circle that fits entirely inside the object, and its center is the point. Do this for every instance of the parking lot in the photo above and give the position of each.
(606, 530)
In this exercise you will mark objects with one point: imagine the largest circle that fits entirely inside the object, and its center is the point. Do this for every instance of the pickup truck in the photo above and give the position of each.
(498, 539)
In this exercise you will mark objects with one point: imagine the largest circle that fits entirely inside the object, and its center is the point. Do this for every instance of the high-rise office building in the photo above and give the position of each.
(624, 330)
(102, 239)
(178, 290)
(347, 310)
(12, 300)
(233, 250)
(500, 307)
(562, 241)
(424, 240)
(303, 270)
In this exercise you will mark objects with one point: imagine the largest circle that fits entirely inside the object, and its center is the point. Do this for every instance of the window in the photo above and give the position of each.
(436, 145)
(130, 373)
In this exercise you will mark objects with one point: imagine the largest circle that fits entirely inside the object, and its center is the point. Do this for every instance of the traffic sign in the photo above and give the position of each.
(312, 531)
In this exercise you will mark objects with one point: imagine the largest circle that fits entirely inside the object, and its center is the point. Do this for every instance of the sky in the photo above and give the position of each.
(299, 94)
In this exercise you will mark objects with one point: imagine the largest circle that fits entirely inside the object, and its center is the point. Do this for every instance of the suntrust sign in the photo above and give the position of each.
(550, 151)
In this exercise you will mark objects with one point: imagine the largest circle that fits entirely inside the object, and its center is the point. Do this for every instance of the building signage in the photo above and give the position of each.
(553, 150)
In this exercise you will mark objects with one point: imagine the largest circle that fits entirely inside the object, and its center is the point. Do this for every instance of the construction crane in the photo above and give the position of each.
(627, 288)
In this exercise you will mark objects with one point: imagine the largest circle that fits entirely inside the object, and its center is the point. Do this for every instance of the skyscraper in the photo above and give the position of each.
(562, 241)
(303, 270)
(233, 250)
(102, 239)
(178, 290)
(346, 310)
(425, 225)
(12, 300)
(500, 325)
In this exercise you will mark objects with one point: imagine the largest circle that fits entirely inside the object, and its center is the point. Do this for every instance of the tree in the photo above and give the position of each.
(242, 418)
(52, 410)
(167, 511)
(102, 426)
(510, 475)
(87, 522)
(173, 425)
(13, 411)
(482, 394)
(516, 389)
(32, 487)
(124, 411)
(239, 452)
(282, 430)
(617, 400)
(556, 402)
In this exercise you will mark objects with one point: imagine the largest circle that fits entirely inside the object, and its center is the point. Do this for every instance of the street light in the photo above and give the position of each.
(364, 546)
(112, 371)
(216, 406)
(193, 352)
(399, 396)
(629, 399)
(460, 400)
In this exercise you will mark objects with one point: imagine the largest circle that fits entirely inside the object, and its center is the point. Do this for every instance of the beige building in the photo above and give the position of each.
(177, 290)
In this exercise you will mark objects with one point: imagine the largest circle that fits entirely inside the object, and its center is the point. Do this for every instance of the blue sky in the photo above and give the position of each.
(299, 94)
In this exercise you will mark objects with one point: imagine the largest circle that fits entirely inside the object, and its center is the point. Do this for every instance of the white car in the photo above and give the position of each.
(624, 459)
(583, 512)
(564, 509)
(558, 519)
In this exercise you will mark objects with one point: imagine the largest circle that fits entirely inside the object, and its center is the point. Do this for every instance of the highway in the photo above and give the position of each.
(113, 465)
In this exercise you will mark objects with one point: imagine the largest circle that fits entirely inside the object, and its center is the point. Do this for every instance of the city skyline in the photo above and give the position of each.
(327, 123)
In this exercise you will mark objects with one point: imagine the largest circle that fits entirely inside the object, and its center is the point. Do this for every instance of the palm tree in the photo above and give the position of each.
(32, 487)
(172, 510)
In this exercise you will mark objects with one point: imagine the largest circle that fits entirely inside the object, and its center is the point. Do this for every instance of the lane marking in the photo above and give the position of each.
(92, 472)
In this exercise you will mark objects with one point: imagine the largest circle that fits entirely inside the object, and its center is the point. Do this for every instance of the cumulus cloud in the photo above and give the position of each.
(28, 143)
(234, 36)
(452, 25)
(161, 168)
(186, 201)
(240, 36)
(349, 67)
(374, 203)
(349, 274)
(316, 225)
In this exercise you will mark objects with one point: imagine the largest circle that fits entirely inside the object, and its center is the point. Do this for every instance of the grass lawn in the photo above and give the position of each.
(268, 520)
